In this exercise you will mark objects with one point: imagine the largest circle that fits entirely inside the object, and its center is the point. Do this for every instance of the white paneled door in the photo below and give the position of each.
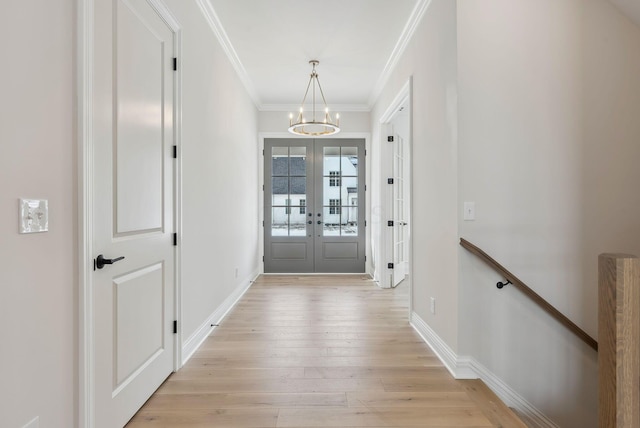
(133, 279)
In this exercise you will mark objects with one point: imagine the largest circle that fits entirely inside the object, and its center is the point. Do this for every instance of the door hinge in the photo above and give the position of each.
(365, 258)
(262, 258)
(389, 180)
(175, 239)
(175, 152)
(390, 223)
(390, 265)
(263, 187)
(390, 138)
(365, 152)
(262, 152)
(262, 223)
(175, 64)
(175, 327)
(365, 223)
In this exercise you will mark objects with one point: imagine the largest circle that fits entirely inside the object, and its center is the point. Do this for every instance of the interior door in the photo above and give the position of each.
(314, 189)
(400, 202)
(133, 208)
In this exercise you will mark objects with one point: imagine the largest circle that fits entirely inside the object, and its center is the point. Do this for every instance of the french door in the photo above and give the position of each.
(314, 205)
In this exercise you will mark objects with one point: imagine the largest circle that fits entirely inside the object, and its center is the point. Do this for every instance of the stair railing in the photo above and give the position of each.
(618, 330)
(537, 299)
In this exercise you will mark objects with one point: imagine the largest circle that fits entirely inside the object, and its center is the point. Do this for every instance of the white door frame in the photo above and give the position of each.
(404, 96)
(84, 85)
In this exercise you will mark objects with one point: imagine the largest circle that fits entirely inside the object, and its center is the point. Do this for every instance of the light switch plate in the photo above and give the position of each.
(34, 215)
(469, 211)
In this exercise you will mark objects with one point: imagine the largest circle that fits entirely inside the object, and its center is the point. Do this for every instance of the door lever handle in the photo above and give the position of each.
(101, 261)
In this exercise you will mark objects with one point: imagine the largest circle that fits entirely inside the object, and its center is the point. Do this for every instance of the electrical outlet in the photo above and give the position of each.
(433, 305)
(34, 215)
(236, 272)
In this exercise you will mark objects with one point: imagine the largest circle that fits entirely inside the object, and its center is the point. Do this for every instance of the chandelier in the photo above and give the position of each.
(314, 127)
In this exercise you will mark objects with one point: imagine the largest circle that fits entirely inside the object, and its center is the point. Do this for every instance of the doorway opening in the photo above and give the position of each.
(314, 200)
(396, 191)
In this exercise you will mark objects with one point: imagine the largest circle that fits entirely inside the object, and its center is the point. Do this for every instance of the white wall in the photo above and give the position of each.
(38, 297)
(549, 101)
(431, 59)
(220, 173)
(350, 121)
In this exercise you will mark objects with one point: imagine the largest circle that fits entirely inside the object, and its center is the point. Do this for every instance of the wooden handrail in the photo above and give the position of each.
(537, 299)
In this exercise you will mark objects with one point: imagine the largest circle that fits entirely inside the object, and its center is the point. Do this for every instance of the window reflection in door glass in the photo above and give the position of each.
(279, 221)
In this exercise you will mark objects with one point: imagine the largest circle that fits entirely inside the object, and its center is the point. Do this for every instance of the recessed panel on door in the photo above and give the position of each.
(139, 137)
(139, 320)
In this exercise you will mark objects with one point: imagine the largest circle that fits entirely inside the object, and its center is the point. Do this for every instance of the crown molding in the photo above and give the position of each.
(401, 45)
(216, 26)
(337, 108)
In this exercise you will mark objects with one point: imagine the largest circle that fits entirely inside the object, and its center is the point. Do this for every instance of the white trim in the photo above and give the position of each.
(470, 368)
(196, 339)
(403, 95)
(446, 355)
(535, 418)
(401, 45)
(339, 108)
(211, 16)
(85, 29)
(381, 273)
(168, 17)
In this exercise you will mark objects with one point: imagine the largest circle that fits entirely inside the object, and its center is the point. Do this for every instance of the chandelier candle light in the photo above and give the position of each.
(314, 127)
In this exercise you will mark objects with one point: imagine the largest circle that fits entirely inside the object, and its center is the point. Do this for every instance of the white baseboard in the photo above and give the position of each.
(470, 368)
(442, 350)
(194, 341)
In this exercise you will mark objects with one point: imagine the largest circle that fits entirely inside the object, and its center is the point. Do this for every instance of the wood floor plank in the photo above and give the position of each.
(319, 351)
(383, 417)
(245, 400)
(493, 408)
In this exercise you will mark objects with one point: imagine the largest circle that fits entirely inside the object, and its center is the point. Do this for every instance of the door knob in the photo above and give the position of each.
(101, 261)
(319, 222)
(309, 222)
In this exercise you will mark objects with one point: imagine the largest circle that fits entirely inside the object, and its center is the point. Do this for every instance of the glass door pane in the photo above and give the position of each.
(288, 233)
(340, 243)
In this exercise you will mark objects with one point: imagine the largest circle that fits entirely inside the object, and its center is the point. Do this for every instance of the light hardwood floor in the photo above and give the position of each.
(319, 351)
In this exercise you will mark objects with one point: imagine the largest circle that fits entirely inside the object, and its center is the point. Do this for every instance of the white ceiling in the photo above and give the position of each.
(272, 42)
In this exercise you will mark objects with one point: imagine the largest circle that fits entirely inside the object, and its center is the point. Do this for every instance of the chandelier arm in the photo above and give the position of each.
(321, 92)
(305, 95)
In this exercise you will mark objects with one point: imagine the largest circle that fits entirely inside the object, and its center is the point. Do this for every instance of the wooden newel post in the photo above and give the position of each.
(618, 341)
